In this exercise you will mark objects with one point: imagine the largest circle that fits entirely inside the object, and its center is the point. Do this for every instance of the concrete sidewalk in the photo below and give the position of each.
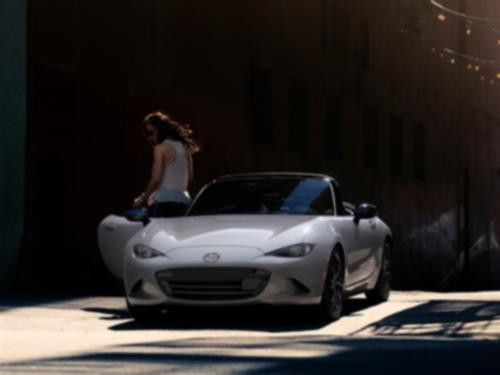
(71, 334)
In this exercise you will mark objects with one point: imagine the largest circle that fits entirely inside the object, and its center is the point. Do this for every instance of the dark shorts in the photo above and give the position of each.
(167, 209)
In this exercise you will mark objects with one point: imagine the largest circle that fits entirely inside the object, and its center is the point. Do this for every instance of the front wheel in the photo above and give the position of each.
(332, 302)
(383, 287)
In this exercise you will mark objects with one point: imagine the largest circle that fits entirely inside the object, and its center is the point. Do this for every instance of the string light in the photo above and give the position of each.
(445, 10)
(491, 24)
(476, 61)
(489, 70)
(487, 23)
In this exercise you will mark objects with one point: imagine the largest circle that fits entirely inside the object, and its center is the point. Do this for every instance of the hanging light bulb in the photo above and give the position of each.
(441, 17)
(468, 30)
(452, 61)
(482, 78)
(476, 68)
(492, 82)
(498, 75)
(469, 66)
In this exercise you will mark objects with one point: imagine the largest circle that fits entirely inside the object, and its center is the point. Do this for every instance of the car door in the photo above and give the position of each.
(356, 244)
(366, 234)
(113, 234)
(358, 238)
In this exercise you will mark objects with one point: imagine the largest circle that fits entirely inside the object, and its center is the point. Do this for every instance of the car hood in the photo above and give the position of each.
(258, 231)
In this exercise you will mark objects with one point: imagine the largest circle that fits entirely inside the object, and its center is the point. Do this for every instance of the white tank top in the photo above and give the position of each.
(173, 187)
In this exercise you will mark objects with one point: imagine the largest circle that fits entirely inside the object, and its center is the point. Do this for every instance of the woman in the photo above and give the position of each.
(166, 193)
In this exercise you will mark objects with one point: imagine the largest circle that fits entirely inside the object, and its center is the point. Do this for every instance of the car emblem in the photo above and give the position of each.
(211, 257)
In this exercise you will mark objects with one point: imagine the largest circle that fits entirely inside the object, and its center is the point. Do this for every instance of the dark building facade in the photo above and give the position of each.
(13, 94)
(385, 95)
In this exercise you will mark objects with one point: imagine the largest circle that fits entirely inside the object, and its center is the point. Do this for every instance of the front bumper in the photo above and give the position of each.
(260, 280)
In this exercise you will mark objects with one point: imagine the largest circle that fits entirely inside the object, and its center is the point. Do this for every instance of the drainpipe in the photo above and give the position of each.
(463, 221)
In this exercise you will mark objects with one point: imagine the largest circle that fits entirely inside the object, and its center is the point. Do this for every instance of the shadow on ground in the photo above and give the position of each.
(248, 318)
(433, 338)
(286, 355)
(445, 318)
(452, 319)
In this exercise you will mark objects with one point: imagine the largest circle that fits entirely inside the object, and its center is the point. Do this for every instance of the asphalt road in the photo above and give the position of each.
(413, 333)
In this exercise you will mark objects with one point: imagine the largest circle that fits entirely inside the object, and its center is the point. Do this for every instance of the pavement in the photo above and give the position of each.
(414, 332)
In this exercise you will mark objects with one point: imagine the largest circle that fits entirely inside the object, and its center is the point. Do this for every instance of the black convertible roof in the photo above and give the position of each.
(276, 174)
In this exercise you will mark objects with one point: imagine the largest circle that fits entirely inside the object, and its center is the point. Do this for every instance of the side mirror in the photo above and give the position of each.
(138, 214)
(364, 211)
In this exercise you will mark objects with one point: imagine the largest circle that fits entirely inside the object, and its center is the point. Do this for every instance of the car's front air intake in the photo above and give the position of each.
(212, 283)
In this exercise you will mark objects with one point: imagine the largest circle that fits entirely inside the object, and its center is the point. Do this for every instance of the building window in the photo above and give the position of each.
(371, 137)
(419, 151)
(396, 139)
(299, 116)
(334, 127)
(261, 105)
(336, 26)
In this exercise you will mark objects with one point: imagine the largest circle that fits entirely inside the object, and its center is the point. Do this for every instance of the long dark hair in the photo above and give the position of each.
(168, 128)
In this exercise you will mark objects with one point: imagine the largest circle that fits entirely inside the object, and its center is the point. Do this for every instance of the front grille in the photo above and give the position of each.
(212, 283)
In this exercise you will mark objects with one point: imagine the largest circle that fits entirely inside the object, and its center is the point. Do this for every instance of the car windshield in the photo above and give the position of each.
(265, 195)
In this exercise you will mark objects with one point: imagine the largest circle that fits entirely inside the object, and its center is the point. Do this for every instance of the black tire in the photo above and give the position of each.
(145, 313)
(332, 301)
(382, 289)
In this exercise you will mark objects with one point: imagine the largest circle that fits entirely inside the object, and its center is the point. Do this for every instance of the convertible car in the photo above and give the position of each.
(271, 238)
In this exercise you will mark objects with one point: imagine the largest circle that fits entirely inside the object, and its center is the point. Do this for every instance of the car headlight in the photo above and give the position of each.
(293, 251)
(146, 252)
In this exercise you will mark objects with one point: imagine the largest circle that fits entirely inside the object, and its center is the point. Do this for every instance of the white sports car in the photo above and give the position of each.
(269, 238)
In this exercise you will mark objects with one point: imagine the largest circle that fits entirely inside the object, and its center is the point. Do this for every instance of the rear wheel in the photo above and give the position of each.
(332, 301)
(383, 287)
